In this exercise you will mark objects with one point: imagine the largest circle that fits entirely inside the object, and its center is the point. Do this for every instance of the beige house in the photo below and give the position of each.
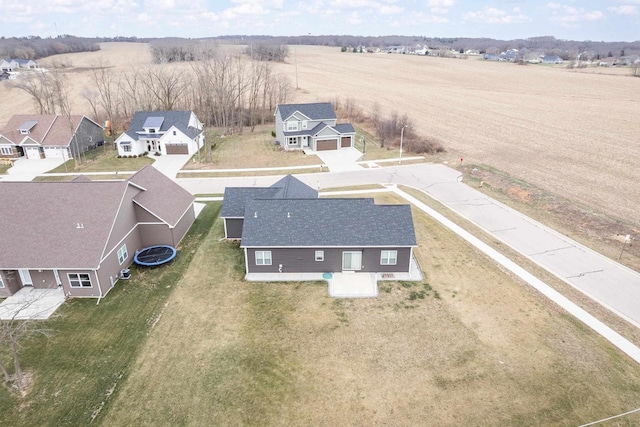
(80, 235)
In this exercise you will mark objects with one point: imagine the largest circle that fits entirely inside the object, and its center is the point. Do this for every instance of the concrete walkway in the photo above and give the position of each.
(353, 285)
(30, 303)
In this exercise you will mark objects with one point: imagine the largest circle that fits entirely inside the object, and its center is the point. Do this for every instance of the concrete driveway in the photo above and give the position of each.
(30, 303)
(28, 169)
(340, 160)
(170, 165)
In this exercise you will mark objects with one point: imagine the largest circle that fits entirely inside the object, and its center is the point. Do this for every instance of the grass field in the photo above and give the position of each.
(468, 346)
(79, 371)
(248, 150)
(102, 159)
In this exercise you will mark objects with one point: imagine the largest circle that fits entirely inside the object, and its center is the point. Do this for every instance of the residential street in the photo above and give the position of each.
(613, 285)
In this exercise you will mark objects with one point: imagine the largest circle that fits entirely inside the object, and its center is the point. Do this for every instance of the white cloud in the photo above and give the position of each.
(491, 15)
(440, 7)
(624, 9)
(569, 15)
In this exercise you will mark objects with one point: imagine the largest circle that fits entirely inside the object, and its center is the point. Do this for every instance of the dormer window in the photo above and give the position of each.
(152, 124)
(26, 127)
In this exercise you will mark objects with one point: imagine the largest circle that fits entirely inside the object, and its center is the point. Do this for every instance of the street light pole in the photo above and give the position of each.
(401, 137)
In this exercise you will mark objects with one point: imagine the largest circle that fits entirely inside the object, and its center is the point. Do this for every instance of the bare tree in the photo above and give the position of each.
(13, 332)
(38, 86)
(166, 84)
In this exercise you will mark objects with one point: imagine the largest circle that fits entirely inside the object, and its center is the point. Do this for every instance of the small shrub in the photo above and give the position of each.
(157, 153)
(119, 156)
(416, 295)
(273, 133)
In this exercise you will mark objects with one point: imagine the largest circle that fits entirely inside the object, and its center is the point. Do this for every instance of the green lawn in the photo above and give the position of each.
(247, 150)
(4, 168)
(79, 371)
(102, 159)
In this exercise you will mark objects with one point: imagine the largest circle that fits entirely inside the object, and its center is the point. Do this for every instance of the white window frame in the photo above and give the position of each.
(292, 126)
(123, 254)
(7, 151)
(1, 282)
(319, 256)
(304, 124)
(126, 148)
(389, 257)
(75, 277)
(263, 258)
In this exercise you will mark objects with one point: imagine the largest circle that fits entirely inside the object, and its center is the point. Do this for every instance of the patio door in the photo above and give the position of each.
(352, 260)
(25, 276)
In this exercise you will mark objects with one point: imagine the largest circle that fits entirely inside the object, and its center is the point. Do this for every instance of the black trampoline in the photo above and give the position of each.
(155, 255)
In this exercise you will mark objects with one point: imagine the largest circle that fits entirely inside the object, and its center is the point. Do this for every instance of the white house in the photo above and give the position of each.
(164, 132)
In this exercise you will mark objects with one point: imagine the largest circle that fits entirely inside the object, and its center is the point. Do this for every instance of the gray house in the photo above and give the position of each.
(327, 235)
(286, 228)
(311, 126)
(80, 235)
(236, 198)
(38, 136)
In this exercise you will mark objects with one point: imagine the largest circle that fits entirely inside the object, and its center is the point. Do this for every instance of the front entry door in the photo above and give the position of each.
(352, 260)
(25, 276)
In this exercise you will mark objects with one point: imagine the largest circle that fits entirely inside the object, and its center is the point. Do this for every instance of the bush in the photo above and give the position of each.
(273, 133)
(423, 146)
(157, 153)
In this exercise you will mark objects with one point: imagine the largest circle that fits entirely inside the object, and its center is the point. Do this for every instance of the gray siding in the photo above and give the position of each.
(154, 234)
(93, 291)
(302, 260)
(12, 284)
(89, 135)
(126, 219)
(234, 227)
(183, 225)
(43, 279)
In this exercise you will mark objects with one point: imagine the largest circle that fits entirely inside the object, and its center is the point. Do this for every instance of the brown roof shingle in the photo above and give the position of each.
(49, 130)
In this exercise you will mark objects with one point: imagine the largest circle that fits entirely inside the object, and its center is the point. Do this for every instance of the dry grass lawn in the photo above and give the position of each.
(469, 346)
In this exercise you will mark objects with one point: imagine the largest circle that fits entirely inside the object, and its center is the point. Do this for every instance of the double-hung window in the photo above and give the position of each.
(7, 151)
(122, 254)
(292, 126)
(263, 257)
(79, 280)
(388, 257)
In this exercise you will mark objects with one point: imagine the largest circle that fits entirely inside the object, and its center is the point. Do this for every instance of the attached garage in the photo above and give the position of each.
(32, 152)
(327, 144)
(345, 141)
(55, 153)
(177, 149)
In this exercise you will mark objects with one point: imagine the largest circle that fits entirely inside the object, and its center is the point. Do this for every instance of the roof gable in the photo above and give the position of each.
(165, 119)
(314, 111)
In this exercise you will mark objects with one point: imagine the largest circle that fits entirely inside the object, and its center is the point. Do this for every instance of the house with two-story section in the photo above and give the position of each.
(8, 64)
(39, 136)
(80, 235)
(286, 228)
(163, 132)
(312, 127)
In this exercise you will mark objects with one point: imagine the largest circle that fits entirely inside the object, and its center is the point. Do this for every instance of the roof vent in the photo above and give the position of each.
(255, 214)
(79, 225)
(288, 214)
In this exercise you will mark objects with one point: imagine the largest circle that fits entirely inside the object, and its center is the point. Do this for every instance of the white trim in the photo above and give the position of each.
(330, 247)
(25, 277)
(388, 257)
(123, 254)
(263, 258)
(1, 282)
(80, 280)
(246, 260)
(224, 221)
(359, 267)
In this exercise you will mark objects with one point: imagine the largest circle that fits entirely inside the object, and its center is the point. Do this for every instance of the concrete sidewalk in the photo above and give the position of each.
(28, 169)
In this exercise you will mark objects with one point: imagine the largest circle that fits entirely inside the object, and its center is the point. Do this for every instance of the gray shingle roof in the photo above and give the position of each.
(326, 222)
(315, 111)
(179, 119)
(236, 198)
(344, 128)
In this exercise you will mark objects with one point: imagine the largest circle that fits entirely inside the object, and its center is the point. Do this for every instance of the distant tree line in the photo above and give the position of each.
(180, 50)
(267, 51)
(36, 47)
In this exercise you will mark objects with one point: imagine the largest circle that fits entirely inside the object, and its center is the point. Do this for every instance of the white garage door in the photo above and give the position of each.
(32, 153)
(53, 153)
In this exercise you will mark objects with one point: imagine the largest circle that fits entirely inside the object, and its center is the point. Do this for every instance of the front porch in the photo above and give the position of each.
(32, 304)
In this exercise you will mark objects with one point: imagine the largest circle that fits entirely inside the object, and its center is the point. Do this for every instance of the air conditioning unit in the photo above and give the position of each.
(125, 274)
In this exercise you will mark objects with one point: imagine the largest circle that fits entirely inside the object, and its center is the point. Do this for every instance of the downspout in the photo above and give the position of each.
(95, 272)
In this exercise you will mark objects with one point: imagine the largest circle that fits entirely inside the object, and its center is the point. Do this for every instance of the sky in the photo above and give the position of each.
(596, 20)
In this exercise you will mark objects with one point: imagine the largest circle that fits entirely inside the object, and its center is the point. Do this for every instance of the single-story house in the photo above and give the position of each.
(286, 228)
(164, 132)
(327, 235)
(80, 235)
(236, 198)
(26, 63)
(311, 126)
(37, 136)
